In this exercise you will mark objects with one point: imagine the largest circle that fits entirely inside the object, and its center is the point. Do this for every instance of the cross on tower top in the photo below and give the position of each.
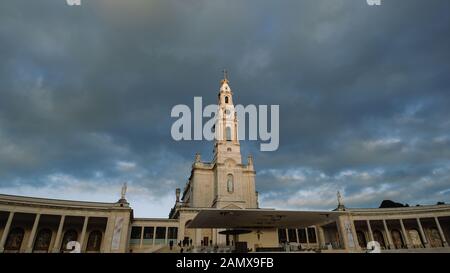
(225, 76)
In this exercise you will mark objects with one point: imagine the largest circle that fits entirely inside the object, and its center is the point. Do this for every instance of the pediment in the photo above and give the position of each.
(231, 206)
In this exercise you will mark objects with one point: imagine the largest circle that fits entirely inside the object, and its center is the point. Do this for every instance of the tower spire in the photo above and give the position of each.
(227, 141)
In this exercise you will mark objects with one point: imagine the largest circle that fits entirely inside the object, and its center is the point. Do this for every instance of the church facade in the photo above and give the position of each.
(224, 187)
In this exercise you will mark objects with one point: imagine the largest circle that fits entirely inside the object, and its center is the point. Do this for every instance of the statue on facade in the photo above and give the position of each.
(339, 198)
(124, 191)
(198, 158)
(340, 202)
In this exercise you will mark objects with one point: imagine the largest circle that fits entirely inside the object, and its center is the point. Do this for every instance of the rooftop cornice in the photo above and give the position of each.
(156, 219)
(414, 209)
(46, 202)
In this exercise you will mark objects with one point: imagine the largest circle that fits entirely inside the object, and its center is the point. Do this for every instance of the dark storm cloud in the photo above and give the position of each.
(86, 94)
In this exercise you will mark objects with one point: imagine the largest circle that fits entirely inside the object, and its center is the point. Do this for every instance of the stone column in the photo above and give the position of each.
(220, 238)
(141, 242)
(355, 236)
(165, 236)
(29, 248)
(180, 234)
(405, 234)
(422, 234)
(83, 232)
(307, 236)
(107, 241)
(6, 231)
(321, 236)
(444, 241)
(57, 244)
(347, 232)
(369, 227)
(388, 235)
(125, 235)
(214, 236)
(198, 237)
(342, 234)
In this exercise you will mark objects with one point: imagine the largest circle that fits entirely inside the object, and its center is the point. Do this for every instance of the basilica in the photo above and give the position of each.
(217, 211)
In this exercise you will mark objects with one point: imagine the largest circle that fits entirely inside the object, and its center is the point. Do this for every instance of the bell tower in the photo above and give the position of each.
(226, 182)
(226, 127)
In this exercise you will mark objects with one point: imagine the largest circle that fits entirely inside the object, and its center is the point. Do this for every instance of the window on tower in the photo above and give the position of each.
(228, 133)
(226, 99)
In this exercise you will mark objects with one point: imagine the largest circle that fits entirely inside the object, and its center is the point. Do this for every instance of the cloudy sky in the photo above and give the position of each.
(364, 94)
